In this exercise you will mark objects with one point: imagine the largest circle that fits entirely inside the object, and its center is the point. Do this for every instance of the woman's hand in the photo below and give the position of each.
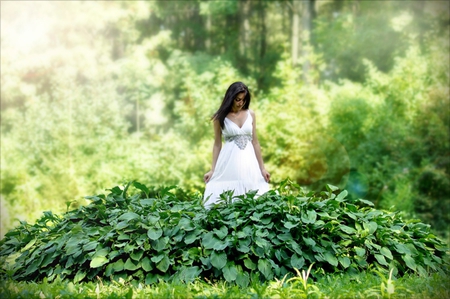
(266, 175)
(208, 176)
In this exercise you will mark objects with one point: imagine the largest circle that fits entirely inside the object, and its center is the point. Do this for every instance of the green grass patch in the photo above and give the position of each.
(364, 285)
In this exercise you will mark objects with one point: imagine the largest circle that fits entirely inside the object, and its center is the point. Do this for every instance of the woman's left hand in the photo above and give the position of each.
(208, 176)
(266, 175)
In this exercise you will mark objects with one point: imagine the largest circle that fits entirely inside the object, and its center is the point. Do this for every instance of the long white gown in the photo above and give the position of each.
(237, 168)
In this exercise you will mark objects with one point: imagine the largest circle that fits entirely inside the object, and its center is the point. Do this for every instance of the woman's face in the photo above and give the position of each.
(239, 101)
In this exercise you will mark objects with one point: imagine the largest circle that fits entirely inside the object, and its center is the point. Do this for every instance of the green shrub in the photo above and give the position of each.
(161, 235)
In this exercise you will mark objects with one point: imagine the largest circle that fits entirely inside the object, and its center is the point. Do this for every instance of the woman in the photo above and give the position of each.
(238, 165)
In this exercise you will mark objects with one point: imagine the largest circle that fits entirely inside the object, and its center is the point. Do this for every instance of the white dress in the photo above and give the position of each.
(237, 168)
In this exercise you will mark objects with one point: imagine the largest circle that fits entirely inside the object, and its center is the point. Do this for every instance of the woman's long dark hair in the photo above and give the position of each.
(227, 102)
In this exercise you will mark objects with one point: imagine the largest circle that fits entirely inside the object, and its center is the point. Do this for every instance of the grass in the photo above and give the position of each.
(364, 285)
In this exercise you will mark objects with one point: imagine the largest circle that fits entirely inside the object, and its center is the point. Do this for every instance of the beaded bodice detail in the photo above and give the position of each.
(239, 135)
(240, 140)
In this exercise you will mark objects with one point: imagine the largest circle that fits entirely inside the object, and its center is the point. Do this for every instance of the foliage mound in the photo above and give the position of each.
(160, 235)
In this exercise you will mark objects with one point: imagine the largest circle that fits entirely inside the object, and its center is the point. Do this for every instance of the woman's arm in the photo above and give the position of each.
(257, 148)
(216, 149)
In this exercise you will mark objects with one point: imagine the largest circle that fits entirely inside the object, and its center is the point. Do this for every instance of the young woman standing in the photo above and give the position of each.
(237, 165)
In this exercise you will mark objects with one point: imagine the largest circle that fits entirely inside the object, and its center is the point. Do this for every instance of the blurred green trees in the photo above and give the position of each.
(97, 93)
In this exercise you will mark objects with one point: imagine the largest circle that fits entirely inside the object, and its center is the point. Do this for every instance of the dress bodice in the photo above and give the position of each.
(240, 135)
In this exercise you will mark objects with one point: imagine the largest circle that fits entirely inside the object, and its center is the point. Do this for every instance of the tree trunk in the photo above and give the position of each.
(230, 42)
(208, 33)
(263, 32)
(244, 27)
(262, 44)
(306, 32)
(199, 29)
(285, 16)
(295, 42)
(244, 34)
(313, 14)
(138, 118)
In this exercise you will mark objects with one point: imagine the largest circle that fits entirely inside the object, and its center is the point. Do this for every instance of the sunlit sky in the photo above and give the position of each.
(24, 25)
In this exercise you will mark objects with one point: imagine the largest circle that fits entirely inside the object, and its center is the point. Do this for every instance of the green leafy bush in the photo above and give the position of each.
(159, 234)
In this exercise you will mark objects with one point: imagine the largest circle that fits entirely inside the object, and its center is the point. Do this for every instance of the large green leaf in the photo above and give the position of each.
(146, 264)
(263, 243)
(33, 267)
(331, 188)
(90, 246)
(191, 237)
(366, 202)
(154, 233)
(131, 265)
(297, 261)
(129, 216)
(310, 242)
(141, 187)
(230, 272)
(74, 249)
(409, 261)
(118, 265)
(158, 258)
(243, 248)
(265, 268)
(342, 195)
(347, 229)
(221, 245)
(380, 258)
(290, 225)
(164, 264)
(218, 260)
(344, 261)
(310, 217)
(403, 249)
(222, 232)
(109, 270)
(48, 259)
(153, 219)
(121, 225)
(186, 224)
(29, 245)
(242, 279)
(189, 274)
(79, 276)
(98, 261)
(137, 255)
(360, 251)
(210, 241)
(160, 244)
(330, 258)
(250, 264)
(285, 236)
(370, 226)
(386, 252)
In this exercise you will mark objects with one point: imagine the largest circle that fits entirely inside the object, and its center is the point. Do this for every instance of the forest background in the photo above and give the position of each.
(349, 93)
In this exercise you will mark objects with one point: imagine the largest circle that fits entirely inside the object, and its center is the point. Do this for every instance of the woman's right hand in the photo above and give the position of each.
(208, 176)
